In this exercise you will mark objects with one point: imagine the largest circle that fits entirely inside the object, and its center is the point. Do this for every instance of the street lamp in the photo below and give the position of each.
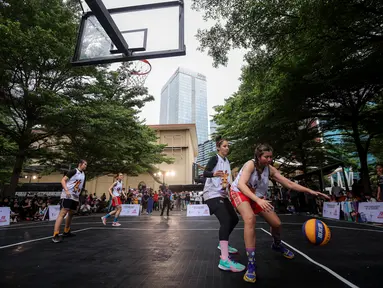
(34, 177)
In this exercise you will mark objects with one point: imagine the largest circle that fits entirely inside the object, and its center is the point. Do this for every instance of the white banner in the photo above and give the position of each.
(130, 210)
(331, 210)
(53, 211)
(371, 212)
(5, 216)
(198, 210)
(39, 194)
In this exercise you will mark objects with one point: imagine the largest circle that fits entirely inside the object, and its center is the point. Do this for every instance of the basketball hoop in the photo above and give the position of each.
(138, 71)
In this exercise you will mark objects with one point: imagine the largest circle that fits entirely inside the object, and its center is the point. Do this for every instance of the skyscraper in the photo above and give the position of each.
(213, 128)
(184, 101)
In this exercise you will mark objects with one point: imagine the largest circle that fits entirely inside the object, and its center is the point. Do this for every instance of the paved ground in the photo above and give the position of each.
(149, 251)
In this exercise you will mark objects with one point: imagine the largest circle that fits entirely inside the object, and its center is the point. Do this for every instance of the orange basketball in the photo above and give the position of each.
(316, 232)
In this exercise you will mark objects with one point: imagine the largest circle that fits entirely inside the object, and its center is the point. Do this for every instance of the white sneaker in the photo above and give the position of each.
(116, 224)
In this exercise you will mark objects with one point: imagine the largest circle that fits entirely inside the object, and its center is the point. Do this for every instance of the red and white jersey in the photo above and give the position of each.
(259, 184)
(117, 189)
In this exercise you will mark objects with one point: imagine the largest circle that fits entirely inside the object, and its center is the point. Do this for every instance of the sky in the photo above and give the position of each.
(162, 26)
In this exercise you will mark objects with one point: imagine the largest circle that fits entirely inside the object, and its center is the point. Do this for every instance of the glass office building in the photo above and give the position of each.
(184, 101)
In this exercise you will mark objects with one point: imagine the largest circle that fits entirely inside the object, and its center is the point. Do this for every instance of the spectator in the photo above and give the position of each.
(150, 204)
(40, 215)
(337, 191)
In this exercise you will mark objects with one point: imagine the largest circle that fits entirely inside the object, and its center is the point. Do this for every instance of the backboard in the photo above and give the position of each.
(111, 31)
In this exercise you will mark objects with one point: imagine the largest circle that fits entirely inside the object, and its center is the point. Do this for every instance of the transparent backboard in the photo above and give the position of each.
(150, 28)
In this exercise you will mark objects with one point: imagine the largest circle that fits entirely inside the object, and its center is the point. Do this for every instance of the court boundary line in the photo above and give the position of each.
(356, 223)
(338, 227)
(330, 271)
(38, 239)
(114, 228)
(50, 225)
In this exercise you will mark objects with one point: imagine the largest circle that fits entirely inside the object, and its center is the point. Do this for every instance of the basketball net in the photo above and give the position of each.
(138, 71)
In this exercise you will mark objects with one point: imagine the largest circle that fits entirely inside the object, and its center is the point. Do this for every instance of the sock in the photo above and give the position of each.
(250, 252)
(107, 215)
(56, 233)
(115, 219)
(66, 230)
(224, 249)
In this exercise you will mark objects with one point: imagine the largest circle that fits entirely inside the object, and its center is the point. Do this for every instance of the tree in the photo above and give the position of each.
(106, 130)
(326, 56)
(44, 101)
(7, 149)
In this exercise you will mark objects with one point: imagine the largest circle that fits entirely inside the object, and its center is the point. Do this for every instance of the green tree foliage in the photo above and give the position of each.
(54, 113)
(106, 130)
(7, 149)
(306, 59)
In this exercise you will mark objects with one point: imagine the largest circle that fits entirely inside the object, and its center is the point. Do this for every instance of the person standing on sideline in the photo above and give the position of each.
(379, 172)
(216, 195)
(166, 194)
(149, 209)
(115, 191)
(73, 183)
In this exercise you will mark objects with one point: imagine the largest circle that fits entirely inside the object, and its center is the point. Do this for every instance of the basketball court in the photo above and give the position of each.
(182, 252)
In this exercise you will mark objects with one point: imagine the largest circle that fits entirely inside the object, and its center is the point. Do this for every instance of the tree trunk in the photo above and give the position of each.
(364, 170)
(17, 168)
(362, 154)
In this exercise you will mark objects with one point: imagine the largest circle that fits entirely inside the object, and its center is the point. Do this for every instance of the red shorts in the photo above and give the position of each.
(237, 198)
(116, 201)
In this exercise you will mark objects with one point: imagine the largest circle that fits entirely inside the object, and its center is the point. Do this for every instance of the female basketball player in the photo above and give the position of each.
(215, 194)
(73, 183)
(248, 193)
(115, 191)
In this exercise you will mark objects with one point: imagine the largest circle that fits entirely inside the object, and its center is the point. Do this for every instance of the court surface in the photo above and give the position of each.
(149, 251)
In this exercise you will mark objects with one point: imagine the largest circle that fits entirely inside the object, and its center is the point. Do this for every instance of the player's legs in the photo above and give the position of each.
(275, 227)
(248, 216)
(114, 205)
(58, 222)
(118, 211)
(220, 209)
(65, 207)
(229, 210)
(68, 222)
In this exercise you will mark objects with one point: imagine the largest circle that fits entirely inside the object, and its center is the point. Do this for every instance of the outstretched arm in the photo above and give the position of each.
(274, 173)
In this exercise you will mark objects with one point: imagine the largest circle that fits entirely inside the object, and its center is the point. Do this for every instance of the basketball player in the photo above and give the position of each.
(215, 193)
(73, 183)
(115, 191)
(248, 193)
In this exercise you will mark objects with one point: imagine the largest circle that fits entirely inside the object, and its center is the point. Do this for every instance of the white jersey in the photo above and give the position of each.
(75, 184)
(260, 185)
(117, 189)
(217, 186)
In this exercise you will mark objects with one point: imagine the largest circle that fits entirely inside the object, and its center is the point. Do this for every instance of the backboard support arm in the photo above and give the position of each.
(101, 13)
